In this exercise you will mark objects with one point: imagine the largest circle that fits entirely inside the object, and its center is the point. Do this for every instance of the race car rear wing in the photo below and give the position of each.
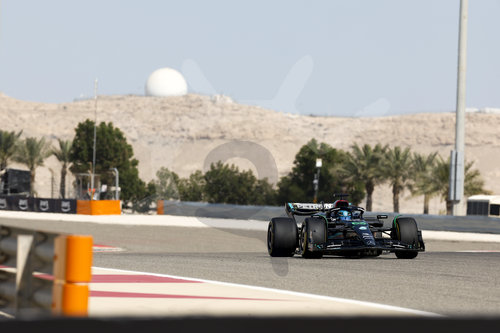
(306, 208)
(313, 208)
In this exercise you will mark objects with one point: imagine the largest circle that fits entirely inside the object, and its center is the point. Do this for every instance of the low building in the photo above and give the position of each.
(487, 205)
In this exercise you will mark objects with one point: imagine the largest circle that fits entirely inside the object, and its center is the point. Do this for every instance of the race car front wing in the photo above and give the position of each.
(336, 245)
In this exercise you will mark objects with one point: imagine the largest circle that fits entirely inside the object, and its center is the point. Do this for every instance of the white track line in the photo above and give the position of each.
(6, 315)
(293, 293)
(460, 236)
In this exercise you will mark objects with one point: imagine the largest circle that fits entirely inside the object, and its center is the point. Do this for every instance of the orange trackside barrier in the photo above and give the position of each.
(160, 207)
(83, 207)
(98, 207)
(72, 273)
(75, 300)
(78, 258)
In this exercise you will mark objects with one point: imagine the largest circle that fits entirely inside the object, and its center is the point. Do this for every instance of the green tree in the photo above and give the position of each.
(63, 156)
(226, 184)
(298, 186)
(112, 151)
(192, 188)
(423, 181)
(32, 152)
(222, 183)
(8, 144)
(264, 193)
(166, 184)
(473, 182)
(398, 170)
(363, 164)
(143, 205)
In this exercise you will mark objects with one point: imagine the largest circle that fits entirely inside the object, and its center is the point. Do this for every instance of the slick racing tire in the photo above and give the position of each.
(313, 232)
(405, 230)
(282, 237)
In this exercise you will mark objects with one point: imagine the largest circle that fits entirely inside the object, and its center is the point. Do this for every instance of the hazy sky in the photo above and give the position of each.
(310, 57)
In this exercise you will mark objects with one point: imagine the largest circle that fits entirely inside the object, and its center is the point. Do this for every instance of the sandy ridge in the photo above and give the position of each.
(179, 132)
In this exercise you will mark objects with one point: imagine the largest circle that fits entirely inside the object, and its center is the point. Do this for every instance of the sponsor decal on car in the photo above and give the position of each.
(358, 223)
(313, 206)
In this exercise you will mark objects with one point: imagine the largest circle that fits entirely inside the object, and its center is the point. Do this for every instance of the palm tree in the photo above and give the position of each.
(63, 155)
(363, 165)
(424, 183)
(398, 171)
(8, 142)
(473, 183)
(32, 153)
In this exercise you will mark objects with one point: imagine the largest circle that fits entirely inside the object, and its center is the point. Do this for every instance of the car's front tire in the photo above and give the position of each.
(405, 230)
(282, 237)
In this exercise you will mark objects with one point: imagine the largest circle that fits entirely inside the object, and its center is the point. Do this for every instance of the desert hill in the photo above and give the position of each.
(180, 132)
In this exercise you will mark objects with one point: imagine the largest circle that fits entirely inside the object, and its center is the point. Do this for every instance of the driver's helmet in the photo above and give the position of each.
(344, 215)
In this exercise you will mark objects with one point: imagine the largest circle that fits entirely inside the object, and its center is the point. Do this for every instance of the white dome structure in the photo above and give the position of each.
(166, 82)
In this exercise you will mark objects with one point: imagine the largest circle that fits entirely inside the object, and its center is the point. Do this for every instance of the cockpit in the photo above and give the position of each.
(344, 215)
(348, 214)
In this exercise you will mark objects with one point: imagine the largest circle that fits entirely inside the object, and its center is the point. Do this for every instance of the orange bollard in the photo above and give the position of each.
(72, 273)
(75, 300)
(78, 259)
(160, 207)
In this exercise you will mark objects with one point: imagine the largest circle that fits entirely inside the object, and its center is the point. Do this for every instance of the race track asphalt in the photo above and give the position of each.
(442, 280)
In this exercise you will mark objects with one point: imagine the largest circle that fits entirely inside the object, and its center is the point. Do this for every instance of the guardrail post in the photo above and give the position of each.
(72, 272)
(43, 273)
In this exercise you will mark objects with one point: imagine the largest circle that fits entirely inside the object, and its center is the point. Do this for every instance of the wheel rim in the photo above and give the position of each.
(302, 240)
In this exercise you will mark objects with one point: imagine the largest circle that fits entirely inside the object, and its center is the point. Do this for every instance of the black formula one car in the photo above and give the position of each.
(340, 229)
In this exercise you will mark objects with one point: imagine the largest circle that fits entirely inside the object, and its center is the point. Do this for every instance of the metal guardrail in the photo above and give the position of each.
(478, 224)
(43, 273)
(200, 209)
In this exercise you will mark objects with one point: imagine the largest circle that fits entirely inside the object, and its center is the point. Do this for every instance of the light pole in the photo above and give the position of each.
(92, 179)
(117, 193)
(319, 163)
(457, 161)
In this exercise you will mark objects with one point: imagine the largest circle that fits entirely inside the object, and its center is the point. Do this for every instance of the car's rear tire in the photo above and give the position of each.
(313, 232)
(282, 237)
(405, 230)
